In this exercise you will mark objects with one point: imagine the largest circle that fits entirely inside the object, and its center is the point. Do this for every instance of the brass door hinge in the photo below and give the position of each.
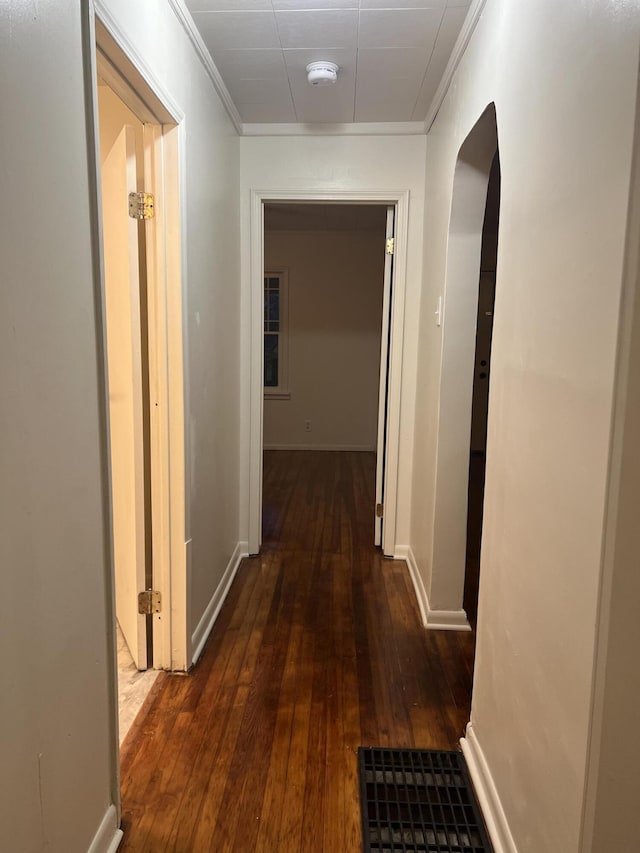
(379, 510)
(141, 206)
(389, 246)
(149, 602)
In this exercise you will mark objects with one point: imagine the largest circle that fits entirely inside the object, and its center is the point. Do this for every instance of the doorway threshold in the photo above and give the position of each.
(133, 686)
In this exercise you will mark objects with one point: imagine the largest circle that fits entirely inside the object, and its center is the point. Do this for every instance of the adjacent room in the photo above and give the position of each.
(324, 365)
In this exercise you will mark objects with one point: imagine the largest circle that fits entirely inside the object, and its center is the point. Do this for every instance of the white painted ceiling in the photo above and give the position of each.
(391, 53)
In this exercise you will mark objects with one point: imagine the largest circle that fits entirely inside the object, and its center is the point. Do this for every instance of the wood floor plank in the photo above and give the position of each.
(225, 714)
(199, 834)
(318, 649)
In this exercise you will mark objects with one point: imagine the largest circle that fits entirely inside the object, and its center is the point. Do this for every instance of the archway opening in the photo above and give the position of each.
(464, 380)
(480, 398)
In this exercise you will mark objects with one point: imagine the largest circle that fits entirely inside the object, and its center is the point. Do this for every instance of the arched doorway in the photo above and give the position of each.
(480, 394)
(466, 343)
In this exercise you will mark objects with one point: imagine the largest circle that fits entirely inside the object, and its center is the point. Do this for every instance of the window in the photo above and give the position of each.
(275, 335)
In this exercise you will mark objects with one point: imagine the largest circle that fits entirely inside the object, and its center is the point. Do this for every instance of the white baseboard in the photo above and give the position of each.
(364, 448)
(447, 620)
(405, 552)
(487, 794)
(109, 835)
(436, 620)
(206, 623)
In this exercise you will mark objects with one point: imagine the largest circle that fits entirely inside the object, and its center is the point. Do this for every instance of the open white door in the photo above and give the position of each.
(384, 375)
(124, 361)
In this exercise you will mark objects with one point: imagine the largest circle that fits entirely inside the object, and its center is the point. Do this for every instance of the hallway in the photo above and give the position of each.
(317, 650)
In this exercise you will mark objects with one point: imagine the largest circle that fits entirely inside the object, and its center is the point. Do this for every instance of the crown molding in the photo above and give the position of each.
(184, 17)
(380, 128)
(464, 36)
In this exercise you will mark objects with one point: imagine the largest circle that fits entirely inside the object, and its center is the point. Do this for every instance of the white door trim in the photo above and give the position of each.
(387, 290)
(399, 198)
(128, 74)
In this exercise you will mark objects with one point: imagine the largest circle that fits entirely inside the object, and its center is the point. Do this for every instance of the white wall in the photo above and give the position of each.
(211, 247)
(57, 713)
(335, 320)
(326, 164)
(614, 756)
(565, 120)
(58, 729)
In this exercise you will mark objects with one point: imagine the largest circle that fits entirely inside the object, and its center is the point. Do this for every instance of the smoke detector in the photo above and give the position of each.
(322, 73)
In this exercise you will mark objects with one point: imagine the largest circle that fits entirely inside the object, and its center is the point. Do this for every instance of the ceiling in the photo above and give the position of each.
(392, 55)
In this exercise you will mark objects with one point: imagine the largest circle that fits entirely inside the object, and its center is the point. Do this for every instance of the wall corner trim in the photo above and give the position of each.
(487, 793)
(206, 623)
(464, 36)
(436, 620)
(108, 836)
(184, 16)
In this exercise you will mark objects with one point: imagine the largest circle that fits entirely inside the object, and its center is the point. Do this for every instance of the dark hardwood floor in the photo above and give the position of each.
(318, 649)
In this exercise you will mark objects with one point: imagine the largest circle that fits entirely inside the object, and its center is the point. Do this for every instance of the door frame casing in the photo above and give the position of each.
(400, 200)
(141, 91)
(387, 290)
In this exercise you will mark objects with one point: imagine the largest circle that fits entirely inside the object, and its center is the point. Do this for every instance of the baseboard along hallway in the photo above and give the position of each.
(318, 649)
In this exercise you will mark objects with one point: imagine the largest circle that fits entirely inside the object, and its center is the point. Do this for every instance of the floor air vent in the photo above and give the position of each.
(418, 800)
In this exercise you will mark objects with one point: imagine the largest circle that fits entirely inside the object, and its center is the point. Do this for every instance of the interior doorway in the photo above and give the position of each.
(126, 326)
(399, 201)
(480, 402)
(461, 364)
(138, 144)
(328, 271)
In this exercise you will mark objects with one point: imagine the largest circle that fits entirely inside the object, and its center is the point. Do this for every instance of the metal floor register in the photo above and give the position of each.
(418, 800)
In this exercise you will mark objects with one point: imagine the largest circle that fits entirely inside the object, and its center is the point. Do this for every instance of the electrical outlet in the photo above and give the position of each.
(307, 426)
